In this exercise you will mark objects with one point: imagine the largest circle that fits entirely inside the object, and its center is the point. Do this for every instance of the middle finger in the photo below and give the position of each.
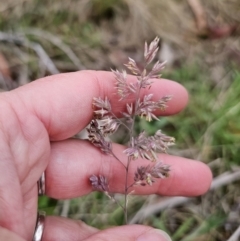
(73, 161)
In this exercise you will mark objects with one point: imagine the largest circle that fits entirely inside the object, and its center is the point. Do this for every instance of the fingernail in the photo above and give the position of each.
(154, 235)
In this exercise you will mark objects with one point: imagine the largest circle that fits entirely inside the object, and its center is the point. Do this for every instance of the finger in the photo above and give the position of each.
(59, 228)
(74, 161)
(8, 235)
(30, 206)
(130, 233)
(62, 229)
(64, 102)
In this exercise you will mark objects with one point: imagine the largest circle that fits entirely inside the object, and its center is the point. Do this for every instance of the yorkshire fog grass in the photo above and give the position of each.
(106, 123)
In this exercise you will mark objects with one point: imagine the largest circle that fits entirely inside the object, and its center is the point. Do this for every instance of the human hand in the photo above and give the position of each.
(36, 124)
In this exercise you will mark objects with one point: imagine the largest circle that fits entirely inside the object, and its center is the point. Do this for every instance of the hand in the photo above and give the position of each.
(36, 124)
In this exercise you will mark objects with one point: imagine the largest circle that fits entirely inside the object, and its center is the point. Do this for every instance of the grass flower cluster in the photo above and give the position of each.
(105, 123)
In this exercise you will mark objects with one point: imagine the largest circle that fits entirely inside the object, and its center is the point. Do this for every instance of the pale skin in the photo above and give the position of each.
(36, 124)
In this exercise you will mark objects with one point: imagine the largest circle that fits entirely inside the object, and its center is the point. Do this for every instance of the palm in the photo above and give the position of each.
(29, 151)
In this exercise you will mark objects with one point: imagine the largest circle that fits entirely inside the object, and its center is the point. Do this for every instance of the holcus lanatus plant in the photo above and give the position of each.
(105, 123)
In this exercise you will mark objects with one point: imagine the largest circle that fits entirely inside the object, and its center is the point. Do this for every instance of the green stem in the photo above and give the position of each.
(118, 203)
(126, 192)
(131, 185)
(118, 159)
(129, 158)
(122, 123)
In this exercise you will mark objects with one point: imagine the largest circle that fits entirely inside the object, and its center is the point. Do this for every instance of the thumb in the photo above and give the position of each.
(130, 233)
(59, 228)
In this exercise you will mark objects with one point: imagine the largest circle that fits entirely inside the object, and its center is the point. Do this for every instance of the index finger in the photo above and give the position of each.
(64, 102)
